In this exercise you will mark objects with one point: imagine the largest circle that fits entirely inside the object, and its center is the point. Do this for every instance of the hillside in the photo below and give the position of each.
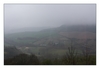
(55, 41)
(11, 51)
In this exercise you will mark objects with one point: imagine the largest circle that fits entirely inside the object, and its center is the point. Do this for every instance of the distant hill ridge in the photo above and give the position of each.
(89, 28)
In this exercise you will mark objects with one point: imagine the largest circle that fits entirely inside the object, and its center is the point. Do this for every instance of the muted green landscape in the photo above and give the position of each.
(49, 34)
(55, 44)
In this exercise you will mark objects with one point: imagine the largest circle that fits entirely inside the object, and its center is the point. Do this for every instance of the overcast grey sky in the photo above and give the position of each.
(42, 15)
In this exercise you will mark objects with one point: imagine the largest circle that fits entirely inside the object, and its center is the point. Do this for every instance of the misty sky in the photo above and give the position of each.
(47, 15)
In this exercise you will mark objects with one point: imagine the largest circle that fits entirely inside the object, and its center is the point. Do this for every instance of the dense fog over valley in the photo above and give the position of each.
(42, 16)
(49, 34)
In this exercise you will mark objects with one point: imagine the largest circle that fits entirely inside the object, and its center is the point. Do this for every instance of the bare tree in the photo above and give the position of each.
(86, 51)
(71, 54)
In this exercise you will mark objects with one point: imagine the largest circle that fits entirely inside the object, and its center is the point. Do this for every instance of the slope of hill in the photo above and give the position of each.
(55, 40)
(11, 51)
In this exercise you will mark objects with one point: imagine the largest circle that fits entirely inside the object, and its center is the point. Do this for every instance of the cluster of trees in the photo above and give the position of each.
(22, 59)
(70, 58)
(70, 61)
